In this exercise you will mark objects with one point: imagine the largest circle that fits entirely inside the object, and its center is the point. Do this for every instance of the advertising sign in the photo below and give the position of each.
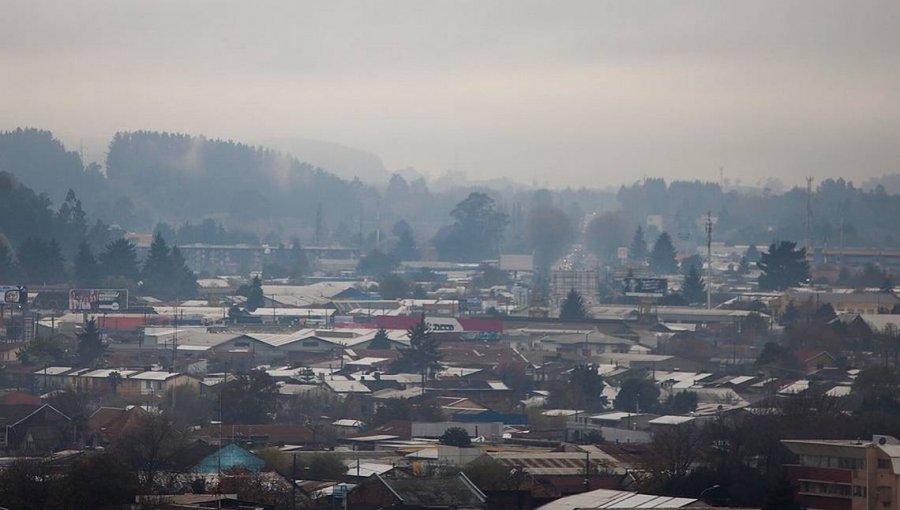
(13, 295)
(98, 300)
(646, 287)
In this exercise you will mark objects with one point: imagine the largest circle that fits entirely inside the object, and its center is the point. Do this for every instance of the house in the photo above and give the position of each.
(846, 475)
(154, 383)
(34, 430)
(9, 351)
(229, 457)
(377, 492)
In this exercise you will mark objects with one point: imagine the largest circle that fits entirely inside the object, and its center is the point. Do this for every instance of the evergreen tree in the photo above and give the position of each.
(783, 266)
(183, 281)
(90, 344)
(638, 249)
(752, 254)
(298, 265)
(7, 267)
(157, 268)
(119, 260)
(86, 271)
(662, 259)
(637, 395)
(41, 261)
(255, 297)
(405, 248)
(693, 290)
(381, 342)
(573, 308)
(422, 356)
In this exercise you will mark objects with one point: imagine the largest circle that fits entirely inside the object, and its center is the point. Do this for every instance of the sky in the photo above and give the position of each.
(589, 93)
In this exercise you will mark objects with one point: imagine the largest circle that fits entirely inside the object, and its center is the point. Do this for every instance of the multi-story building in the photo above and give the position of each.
(846, 474)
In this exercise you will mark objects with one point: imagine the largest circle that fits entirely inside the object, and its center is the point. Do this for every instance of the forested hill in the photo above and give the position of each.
(41, 162)
(180, 176)
(153, 176)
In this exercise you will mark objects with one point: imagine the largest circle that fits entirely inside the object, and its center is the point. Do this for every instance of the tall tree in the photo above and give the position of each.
(90, 344)
(422, 356)
(255, 297)
(381, 341)
(573, 308)
(582, 390)
(376, 263)
(41, 261)
(86, 271)
(405, 247)
(783, 266)
(549, 233)
(157, 266)
(476, 233)
(638, 249)
(693, 290)
(662, 259)
(6, 261)
(605, 234)
(249, 398)
(637, 394)
(183, 281)
(119, 260)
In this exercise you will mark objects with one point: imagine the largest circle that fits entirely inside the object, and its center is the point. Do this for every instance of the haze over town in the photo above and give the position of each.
(560, 93)
(481, 255)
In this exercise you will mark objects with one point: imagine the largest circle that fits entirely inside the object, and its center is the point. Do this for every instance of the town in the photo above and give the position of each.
(449, 255)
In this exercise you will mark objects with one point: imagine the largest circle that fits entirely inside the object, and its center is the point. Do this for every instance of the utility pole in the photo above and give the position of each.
(709, 228)
(809, 181)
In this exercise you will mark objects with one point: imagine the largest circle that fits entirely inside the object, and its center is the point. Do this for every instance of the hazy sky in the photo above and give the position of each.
(591, 92)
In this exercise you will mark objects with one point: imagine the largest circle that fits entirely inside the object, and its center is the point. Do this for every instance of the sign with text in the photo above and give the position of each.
(646, 287)
(98, 300)
(13, 295)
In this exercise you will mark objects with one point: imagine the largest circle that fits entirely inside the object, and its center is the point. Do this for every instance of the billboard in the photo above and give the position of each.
(98, 300)
(13, 295)
(646, 287)
(517, 262)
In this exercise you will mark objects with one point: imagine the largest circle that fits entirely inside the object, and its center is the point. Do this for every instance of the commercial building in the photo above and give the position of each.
(846, 474)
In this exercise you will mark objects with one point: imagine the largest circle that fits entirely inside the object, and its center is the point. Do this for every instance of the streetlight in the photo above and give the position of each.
(704, 491)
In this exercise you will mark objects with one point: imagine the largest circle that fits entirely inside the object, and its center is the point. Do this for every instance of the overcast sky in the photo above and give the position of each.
(591, 92)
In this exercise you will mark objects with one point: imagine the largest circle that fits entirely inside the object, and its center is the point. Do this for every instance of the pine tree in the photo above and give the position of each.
(6, 261)
(573, 308)
(638, 249)
(183, 281)
(119, 260)
(90, 344)
(381, 341)
(422, 356)
(86, 270)
(693, 290)
(783, 266)
(662, 259)
(255, 297)
(157, 266)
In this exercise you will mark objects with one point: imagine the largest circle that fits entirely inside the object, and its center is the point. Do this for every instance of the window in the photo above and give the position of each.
(859, 491)
(884, 463)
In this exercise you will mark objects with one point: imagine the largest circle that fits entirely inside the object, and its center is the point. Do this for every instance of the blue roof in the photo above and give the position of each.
(229, 457)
